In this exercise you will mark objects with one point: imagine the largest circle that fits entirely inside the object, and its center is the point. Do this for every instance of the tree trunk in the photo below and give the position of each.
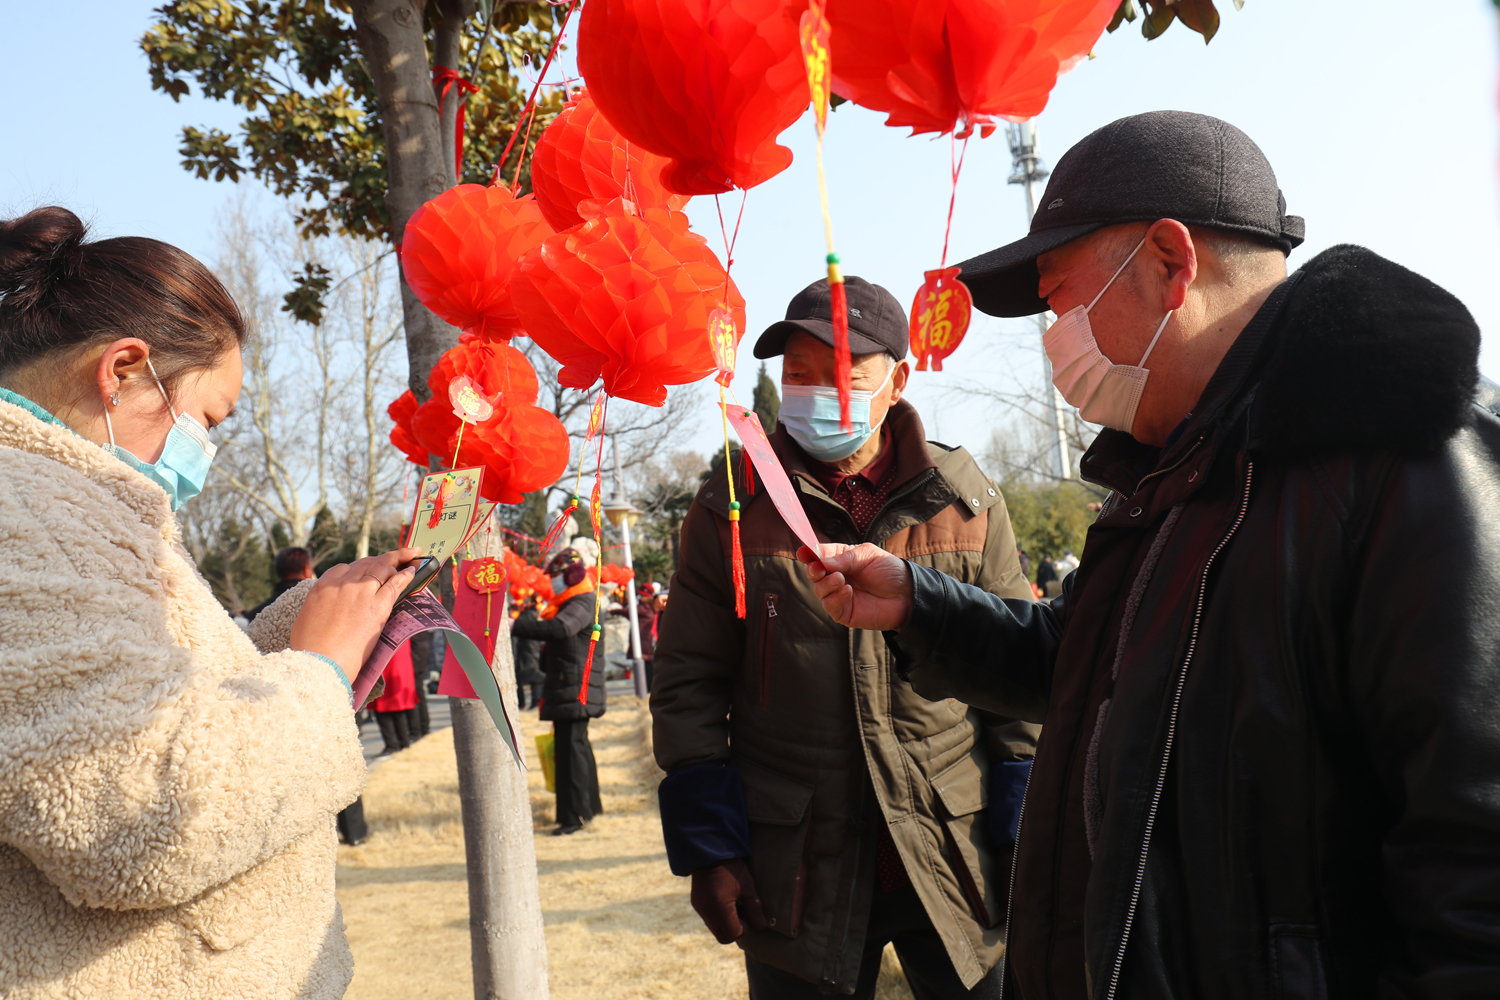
(395, 48)
(505, 909)
(505, 914)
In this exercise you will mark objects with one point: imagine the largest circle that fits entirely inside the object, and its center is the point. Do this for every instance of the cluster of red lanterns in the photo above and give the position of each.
(600, 268)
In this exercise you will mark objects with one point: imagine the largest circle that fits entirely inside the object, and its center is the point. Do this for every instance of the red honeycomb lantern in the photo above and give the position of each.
(709, 84)
(460, 249)
(581, 157)
(628, 298)
(401, 412)
(941, 65)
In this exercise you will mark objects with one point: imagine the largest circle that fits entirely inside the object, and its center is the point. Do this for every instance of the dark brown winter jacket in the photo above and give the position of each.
(824, 738)
(1271, 762)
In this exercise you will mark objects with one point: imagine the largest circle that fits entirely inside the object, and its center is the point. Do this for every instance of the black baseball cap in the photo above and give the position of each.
(876, 320)
(1160, 165)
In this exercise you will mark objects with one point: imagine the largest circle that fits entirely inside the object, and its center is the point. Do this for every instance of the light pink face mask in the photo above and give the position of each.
(1104, 392)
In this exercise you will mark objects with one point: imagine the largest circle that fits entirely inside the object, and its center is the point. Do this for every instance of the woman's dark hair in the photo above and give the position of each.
(59, 293)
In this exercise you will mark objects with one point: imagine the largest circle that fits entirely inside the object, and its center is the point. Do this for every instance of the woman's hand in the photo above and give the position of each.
(348, 606)
(861, 586)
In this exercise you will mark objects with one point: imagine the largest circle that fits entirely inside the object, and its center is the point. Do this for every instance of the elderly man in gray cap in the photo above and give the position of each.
(1270, 765)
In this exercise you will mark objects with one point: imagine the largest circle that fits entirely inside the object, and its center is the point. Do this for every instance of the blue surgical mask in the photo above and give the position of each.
(810, 414)
(183, 467)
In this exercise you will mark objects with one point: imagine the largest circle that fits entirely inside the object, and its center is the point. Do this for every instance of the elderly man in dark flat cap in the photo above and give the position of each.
(1271, 692)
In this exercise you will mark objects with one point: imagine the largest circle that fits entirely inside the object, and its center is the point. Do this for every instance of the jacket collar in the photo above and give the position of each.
(1352, 353)
(928, 477)
(23, 431)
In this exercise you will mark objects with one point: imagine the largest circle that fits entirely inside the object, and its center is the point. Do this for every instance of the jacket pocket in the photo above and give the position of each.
(1297, 963)
(777, 807)
(960, 789)
(767, 645)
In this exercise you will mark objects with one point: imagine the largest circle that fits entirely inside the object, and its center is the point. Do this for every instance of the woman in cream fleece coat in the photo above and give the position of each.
(167, 789)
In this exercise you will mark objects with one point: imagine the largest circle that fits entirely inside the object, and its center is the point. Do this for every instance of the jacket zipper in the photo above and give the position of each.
(1166, 757)
(767, 634)
(1010, 896)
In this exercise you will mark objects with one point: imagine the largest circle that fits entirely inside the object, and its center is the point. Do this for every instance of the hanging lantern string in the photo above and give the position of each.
(737, 556)
(554, 532)
(730, 241)
(814, 34)
(956, 166)
(595, 516)
(529, 112)
(450, 78)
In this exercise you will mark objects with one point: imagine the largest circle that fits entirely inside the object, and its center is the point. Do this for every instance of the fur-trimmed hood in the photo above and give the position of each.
(1366, 356)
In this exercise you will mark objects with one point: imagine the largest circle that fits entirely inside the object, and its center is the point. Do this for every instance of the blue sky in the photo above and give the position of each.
(1379, 118)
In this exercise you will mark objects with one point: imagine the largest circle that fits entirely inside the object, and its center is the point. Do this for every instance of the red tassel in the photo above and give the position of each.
(554, 532)
(749, 471)
(737, 559)
(437, 505)
(588, 667)
(841, 361)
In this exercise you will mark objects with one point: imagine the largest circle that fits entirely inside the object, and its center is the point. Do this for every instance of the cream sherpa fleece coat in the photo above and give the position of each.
(167, 792)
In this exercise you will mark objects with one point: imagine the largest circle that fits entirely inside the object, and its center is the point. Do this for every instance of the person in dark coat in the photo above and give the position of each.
(565, 626)
(528, 656)
(1270, 690)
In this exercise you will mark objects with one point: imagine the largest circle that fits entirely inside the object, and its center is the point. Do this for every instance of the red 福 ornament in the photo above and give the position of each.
(946, 65)
(581, 157)
(460, 249)
(401, 411)
(939, 317)
(709, 84)
(627, 298)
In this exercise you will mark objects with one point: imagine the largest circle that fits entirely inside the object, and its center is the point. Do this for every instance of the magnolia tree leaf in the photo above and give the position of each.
(1199, 15)
(1158, 18)
(306, 300)
(1127, 12)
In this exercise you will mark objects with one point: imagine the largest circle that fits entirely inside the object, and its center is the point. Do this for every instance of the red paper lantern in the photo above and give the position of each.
(937, 65)
(708, 83)
(626, 297)
(581, 157)
(522, 446)
(401, 412)
(460, 249)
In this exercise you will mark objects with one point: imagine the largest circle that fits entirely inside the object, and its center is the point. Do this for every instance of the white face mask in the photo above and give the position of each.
(1105, 393)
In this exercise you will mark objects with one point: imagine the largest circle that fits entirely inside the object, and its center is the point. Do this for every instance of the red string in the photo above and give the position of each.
(956, 167)
(451, 78)
(530, 109)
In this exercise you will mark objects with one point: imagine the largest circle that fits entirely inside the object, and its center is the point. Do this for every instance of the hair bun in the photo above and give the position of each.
(36, 250)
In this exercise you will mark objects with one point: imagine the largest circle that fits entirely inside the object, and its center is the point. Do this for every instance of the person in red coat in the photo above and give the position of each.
(392, 709)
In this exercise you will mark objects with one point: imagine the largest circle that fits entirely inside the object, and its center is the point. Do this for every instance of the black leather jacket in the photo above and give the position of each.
(1270, 765)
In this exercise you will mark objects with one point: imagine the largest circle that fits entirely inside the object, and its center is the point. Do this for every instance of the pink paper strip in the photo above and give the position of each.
(772, 476)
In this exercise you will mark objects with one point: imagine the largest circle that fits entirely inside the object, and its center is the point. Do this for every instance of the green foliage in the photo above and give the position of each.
(1199, 15)
(305, 300)
(766, 402)
(652, 564)
(1048, 518)
(312, 125)
(239, 568)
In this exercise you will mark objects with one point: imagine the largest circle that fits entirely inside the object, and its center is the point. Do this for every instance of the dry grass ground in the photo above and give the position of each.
(619, 925)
